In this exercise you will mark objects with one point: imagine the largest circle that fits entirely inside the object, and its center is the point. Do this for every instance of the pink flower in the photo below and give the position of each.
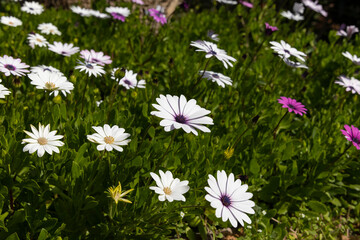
(157, 15)
(270, 29)
(353, 135)
(292, 105)
(140, 2)
(246, 4)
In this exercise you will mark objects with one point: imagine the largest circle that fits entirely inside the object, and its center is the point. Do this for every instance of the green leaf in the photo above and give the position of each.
(151, 132)
(137, 162)
(43, 234)
(80, 153)
(254, 166)
(190, 234)
(13, 236)
(317, 206)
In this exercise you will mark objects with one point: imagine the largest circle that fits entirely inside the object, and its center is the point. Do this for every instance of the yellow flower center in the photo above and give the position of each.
(51, 30)
(167, 190)
(39, 40)
(11, 23)
(42, 141)
(109, 140)
(50, 85)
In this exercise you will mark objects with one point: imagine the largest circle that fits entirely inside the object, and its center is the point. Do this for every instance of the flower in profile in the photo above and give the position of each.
(315, 7)
(157, 15)
(119, 13)
(351, 84)
(352, 134)
(65, 49)
(129, 80)
(32, 8)
(211, 49)
(14, 66)
(219, 78)
(3, 90)
(37, 40)
(54, 82)
(270, 29)
(140, 2)
(109, 138)
(285, 50)
(296, 15)
(169, 188)
(117, 194)
(84, 12)
(229, 198)
(95, 57)
(211, 34)
(90, 68)
(293, 64)
(42, 140)
(11, 21)
(350, 30)
(44, 68)
(231, 2)
(292, 105)
(355, 59)
(246, 4)
(177, 113)
(49, 28)
(98, 14)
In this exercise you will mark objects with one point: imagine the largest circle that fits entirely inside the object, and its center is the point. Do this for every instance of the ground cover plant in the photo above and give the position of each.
(229, 119)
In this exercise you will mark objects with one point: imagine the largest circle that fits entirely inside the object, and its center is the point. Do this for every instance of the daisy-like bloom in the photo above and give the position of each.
(42, 140)
(177, 113)
(84, 12)
(353, 135)
(44, 68)
(270, 29)
(292, 105)
(169, 188)
(14, 66)
(49, 28)
(246, 4)
(37, 40)
(315, 7)
(117, 194)
(98, 14)
(355, 59)
(129, 80)
(232, 2)
(293, 64)
(219, 78)
(3, 90)
(140, 2)
(157, 16)
(351, 84)
(90, 68)
(284, 49)
(11, 21)
(109, 138)
(51, 81)
(211, 49)
(118, 13)
(350, 30)
(95, 57)
(229, 198)
(298, 9)
(211, 34)
(32, 8)
(65, 49)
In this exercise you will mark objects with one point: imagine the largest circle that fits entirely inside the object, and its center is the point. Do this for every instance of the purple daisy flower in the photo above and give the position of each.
(157, 15)
(270, 29)
(292, 105)
(352, 134)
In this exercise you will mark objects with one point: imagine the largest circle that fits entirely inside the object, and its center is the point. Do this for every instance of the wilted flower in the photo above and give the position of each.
(292, 105)
(32, 8)
(52, 81)
(10, 21)
(353, 135)
(211, 49)
(65, 49)
(37, 40)
(157, 16)
(270, 29)
(48, 28)
(109, 138)
(229, 198)
(350, 30)
(315, 7)
(119, 13)
(14, 66)
(177, 113)
(351, 84)
(95, 57)
(169, 188)
(3, 90)
(355, 59)
(117, 194)
(42, 140)
(219, 78)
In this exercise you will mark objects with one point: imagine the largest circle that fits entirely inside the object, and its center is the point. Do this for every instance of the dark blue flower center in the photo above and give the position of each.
(287, 51)
(10, 67)
(180, 118)
(212, 52)
(88, 65)
(127, 82)
(225, 200)
(291, 106)
(355, 140)
(215, 75)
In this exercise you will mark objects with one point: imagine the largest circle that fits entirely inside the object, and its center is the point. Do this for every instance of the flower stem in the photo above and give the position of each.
(277, 126)
(83, 96)
(166, 152)
(199, 78)
(337, 159)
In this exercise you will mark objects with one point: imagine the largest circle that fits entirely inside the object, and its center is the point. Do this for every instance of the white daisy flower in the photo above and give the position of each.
(231, 2)
(98, 14)
(285, 50)
(95, 57)
(355, 59)
(37, 40)
(42, 140)
(51, 81)
(14, 66)
(169, 188)
(350, 30)
(293, 64)
(49, 28)
(3, 90)
(32, 8)
(229, 198)
(84, 12)
(211, 49)
(219, 78)
(109, 138)
(298, 9)
(90, 68)
(177, 113)
(118, 13)
(315, 7)
(211, 34)
(11, 21)
(44, 68)
(129, 80)
(65, 49)
(351, 84)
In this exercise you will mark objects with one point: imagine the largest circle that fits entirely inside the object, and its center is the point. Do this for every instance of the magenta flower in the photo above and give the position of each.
(246, 4)
(352, 134)
(270, 29)
(157, 15)
(292, 105)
